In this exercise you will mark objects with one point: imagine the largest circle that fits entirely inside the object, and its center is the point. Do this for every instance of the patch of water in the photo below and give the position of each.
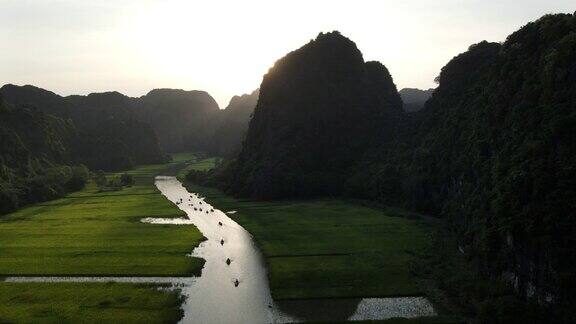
(384, 308)
(170, 221)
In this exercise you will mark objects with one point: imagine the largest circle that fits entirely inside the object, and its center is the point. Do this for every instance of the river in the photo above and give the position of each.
(237, 291)
(214, 297)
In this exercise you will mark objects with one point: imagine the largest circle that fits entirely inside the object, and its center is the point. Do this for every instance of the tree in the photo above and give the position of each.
(126, 179)
(100, 179)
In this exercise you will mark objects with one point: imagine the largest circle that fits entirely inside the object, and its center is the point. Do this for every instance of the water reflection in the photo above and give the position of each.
(235, 292)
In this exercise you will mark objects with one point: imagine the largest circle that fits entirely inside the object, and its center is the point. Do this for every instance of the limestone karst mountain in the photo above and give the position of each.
(320, 108)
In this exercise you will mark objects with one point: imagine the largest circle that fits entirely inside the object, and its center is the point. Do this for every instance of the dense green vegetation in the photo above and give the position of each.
(196, 163)
(97, 233)
(305, 136)
(492, 152)
(91, 232)
(33, 150)
(329, 248)
(87, 303)
(448, 277)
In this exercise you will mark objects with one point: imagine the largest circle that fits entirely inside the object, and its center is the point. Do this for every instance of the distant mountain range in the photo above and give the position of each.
(108, 134)
(46, 138)
(414, 99)
(181, 120)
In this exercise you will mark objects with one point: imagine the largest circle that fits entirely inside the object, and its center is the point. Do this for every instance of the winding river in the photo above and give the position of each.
(234, 293)
(238, 292)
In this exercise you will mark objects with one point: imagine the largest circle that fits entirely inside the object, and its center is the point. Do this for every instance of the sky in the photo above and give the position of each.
(225, 47)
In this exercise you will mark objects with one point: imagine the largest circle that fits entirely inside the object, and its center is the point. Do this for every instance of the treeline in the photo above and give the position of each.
(493, 151)
(34, 148)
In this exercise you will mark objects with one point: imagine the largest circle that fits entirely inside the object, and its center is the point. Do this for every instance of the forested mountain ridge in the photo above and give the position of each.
(495, 154)
(492, 152)
(180, 120)
(108, 134)
(319, 108)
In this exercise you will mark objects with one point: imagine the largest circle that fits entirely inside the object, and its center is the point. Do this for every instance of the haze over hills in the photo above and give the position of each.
(414, 99)
(232, 124)
(181, 120)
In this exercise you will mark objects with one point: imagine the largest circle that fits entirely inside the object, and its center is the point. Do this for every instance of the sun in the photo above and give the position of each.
(172, 42)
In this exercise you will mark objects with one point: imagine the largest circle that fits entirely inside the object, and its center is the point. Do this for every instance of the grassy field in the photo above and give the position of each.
(92, 233)
(194, 163)
(330, 248)
(99, 233)
(87, 303)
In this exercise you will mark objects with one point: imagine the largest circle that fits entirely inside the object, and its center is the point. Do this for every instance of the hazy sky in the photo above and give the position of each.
(225, 47)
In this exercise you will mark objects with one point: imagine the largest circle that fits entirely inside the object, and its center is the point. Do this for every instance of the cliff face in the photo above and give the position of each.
(319, 108)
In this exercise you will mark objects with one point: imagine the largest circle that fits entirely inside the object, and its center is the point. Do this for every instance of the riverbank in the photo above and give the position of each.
(332, 252)
(92, 233)
(329, 248)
